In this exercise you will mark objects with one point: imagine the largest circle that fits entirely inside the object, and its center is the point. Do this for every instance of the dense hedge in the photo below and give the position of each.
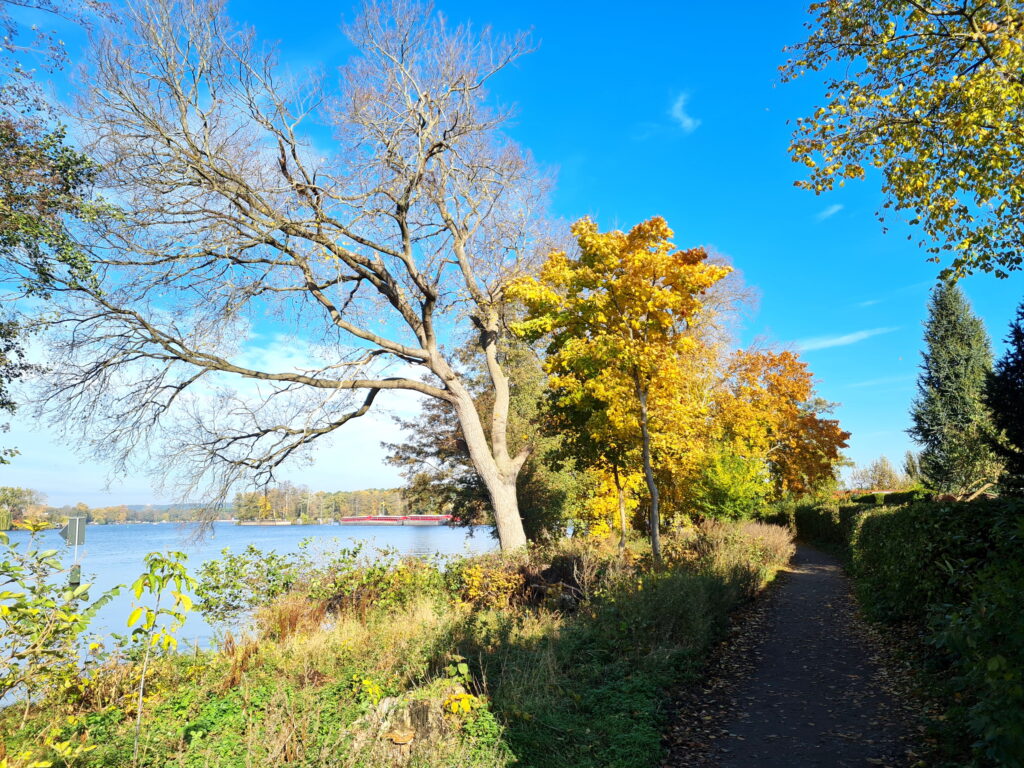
(829, 523)
(896, 497)
(956, 571)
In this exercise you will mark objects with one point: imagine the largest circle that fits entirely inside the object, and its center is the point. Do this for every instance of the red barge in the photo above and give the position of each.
(396, 520)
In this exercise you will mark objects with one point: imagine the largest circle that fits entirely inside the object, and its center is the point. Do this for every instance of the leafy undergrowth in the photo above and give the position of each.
(560, 656)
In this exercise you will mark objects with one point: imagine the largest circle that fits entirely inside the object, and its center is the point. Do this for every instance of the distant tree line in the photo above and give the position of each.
(291, 502)
(283, 502)
(17, 504)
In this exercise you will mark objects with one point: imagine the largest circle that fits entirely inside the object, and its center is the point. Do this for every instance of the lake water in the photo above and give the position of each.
(113, 554)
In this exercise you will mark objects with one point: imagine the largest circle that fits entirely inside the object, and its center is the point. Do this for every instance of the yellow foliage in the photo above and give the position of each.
(52, 749)
(628, 353)
(33, 525)
(461, 703)
(600, 510)
(490, 586)
(623, 356)
(930, 94)
(366, 689)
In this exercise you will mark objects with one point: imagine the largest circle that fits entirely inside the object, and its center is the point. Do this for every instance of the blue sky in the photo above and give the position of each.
(673, 109)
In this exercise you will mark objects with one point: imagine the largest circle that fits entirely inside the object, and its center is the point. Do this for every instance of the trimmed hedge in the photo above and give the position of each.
(956, 571)
(896, 497)
(908, 559)
(828, 523)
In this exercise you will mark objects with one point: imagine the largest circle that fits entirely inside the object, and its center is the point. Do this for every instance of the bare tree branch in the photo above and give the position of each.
(236, 220)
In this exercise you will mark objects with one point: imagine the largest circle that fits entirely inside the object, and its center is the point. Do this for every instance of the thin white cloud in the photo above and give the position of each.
(826, 342)
(829, 212)
(645, 131)
(683, 119)
(885, 380)
(912, 288)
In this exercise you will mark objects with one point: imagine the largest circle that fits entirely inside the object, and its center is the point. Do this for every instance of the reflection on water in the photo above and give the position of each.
(113, 554)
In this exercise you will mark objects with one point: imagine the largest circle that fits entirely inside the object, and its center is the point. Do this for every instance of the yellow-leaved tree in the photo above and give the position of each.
(618, 315)
(931, 95)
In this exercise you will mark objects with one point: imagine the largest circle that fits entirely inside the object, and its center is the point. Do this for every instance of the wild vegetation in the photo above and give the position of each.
(553, 655)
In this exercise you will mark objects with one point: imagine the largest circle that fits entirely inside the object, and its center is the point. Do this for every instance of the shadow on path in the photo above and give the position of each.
(802, 686)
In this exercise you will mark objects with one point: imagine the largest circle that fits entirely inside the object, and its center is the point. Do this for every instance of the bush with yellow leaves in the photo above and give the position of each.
(55, 749)
(491, 581)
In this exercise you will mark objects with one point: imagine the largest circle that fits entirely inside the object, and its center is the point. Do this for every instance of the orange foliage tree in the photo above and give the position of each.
(766, 410)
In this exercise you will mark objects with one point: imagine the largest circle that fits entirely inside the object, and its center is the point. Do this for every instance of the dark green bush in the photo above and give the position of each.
(907, 497)
(781, 512)
(907, 559)
(867, 498)
(827, 523)
(985, 639)
(894, 498)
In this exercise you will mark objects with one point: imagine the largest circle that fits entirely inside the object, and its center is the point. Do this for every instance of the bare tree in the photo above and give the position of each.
(879, 475)
(370, 256)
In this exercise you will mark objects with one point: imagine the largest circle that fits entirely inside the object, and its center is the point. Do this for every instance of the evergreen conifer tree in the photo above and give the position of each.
(1005, 398)
(950, 418)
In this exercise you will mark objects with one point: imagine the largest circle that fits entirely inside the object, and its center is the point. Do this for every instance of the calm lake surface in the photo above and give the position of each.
(113, 554)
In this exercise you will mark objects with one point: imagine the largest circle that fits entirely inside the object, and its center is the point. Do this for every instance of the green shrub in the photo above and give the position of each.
(906, 559)
(894, 498)
(869, 498)
(730, 487)
(985, 639)
(43, 621)
(827, 523)
(907, 497)
(781, 513)
(233, 585)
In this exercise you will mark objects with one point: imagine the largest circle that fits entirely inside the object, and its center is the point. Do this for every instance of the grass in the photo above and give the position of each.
(558, 657)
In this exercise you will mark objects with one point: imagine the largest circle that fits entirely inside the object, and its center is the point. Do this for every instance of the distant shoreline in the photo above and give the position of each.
(362, 520)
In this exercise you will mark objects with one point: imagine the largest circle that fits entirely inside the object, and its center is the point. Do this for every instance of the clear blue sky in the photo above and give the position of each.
(673, 109)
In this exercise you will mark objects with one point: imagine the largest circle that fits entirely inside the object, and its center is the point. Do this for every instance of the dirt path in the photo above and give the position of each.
(798, 684)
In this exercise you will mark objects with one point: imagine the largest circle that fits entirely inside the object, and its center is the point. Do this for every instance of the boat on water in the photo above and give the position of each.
(395, 520)
(264, 522)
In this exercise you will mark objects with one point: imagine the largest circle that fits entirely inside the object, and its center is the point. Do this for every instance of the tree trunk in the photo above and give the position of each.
(652, 486)
(506, 515)
(498, 473)
(622, 508)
